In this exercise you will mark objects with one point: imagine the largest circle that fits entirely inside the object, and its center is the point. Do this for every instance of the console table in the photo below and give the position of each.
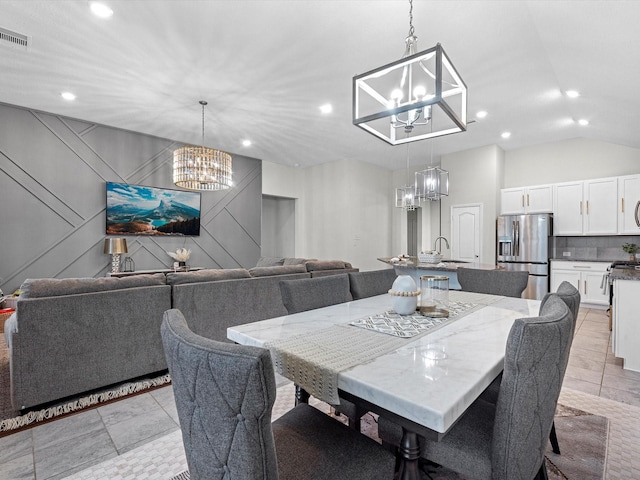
(148, 272)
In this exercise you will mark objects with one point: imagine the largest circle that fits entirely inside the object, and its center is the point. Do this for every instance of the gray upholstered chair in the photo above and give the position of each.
(571, 297)
(507, 440)
(310, 293)
(369, 284)
(495, 282)
(224, 396)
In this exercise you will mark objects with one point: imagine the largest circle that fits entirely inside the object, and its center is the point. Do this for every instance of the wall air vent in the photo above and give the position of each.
(15, 39)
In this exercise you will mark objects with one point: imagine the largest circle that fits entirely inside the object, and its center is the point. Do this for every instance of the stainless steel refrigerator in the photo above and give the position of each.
(524, 244)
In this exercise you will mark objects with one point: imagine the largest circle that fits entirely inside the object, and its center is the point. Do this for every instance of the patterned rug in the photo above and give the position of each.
(12, 421)
(582, 437)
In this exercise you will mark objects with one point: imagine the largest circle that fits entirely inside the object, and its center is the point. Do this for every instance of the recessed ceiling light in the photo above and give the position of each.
(481, 114)
(101, 10)
(326, 108)
(583, 121)
(505, 134)
(246, 143)
(68, 96)
(572, 93)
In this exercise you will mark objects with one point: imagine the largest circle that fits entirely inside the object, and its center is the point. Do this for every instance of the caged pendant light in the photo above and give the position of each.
(200, 167)
(421, 95)
(432, 183)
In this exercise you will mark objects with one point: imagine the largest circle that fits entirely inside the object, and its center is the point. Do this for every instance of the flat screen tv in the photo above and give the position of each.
(140, 210)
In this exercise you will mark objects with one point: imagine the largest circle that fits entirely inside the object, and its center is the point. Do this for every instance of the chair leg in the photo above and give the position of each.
(542, 473)
(554, 439)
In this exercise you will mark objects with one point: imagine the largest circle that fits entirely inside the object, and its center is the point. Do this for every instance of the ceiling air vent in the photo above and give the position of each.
(15, 39)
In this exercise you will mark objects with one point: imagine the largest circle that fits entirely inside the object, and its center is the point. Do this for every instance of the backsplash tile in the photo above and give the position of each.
(605, 248)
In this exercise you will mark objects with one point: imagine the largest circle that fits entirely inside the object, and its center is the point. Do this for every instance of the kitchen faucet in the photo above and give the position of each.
(435, 243)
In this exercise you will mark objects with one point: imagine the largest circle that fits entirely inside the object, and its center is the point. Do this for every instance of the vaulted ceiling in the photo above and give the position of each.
(265, 67)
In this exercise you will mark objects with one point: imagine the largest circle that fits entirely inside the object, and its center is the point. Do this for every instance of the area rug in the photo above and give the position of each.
(582, 437)
(12, 421)
(583, 443)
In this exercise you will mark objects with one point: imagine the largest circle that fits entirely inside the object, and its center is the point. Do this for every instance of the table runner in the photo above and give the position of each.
(313, 360)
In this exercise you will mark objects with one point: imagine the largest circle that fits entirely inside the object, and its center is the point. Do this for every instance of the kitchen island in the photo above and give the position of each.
(625, 336)
(448, 268)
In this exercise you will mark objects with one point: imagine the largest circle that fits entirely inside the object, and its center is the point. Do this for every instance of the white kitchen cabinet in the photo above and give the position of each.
(587, 277)
(586, 208)
(629, 205)
(535, 199)
(626, 327)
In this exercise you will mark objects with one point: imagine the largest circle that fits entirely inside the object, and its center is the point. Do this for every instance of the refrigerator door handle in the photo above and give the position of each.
(517, 238)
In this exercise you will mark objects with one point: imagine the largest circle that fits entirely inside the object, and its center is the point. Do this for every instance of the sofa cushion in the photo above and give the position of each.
(53, 287)
(207, 275)
(326, 265)
(297, 261)
(269, 261)
(277, 270)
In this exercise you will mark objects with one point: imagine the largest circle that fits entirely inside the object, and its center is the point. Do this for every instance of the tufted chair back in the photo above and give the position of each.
(494, 282)
(536, 358)
(368, 284)
(310, 293)
(224, 395)
(569, 295)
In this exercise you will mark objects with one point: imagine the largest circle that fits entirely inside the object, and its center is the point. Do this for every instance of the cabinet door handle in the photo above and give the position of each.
(637, 213)
(580, 207)
(622, 205)
(523, 200)
(581, 266)
(587, 207)
(527, 199)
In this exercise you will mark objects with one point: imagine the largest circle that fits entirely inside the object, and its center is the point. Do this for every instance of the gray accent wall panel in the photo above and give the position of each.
(53, 171)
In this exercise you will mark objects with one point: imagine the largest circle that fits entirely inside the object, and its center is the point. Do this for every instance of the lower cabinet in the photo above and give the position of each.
(587, 277)
(626, 328)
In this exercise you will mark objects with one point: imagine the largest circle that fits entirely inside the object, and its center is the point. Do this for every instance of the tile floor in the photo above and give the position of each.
(63, 447)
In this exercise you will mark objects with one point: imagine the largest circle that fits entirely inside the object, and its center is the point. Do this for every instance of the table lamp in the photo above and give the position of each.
(115, 247)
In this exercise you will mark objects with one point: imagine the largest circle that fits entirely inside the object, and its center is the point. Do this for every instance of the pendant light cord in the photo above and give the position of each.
(203, 103)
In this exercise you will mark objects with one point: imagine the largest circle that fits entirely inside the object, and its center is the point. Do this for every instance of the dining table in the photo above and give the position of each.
(421, 372)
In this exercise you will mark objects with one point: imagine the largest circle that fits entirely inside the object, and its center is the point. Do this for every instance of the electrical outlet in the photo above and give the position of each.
(566, 254)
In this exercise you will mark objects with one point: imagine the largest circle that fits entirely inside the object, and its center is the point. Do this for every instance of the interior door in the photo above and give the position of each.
(466, 221)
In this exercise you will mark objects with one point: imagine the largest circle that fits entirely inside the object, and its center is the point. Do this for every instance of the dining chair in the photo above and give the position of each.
(368, 284)
(495, 282)
(310, 293)
(571, 297)
(224, 396)
(507, 440)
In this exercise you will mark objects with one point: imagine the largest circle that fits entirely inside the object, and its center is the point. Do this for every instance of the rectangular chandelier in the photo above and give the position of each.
(417, 97)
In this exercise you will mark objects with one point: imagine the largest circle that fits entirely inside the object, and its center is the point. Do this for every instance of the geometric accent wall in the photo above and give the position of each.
(53, 172)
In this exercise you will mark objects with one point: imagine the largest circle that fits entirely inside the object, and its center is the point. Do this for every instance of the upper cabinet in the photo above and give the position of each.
(536, 199)
(586, 208)
(629, 205)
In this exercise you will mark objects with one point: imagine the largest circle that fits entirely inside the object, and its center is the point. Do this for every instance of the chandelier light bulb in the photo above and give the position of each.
(419, 92)
(397, 95)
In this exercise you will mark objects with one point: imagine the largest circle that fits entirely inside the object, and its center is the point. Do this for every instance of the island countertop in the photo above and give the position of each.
(624, 274)
(444, 266)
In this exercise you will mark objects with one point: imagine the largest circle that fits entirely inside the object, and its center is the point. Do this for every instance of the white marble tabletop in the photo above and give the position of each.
(431, 381)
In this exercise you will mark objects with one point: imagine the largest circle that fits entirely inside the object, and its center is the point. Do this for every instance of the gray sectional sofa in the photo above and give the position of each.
(70, 336)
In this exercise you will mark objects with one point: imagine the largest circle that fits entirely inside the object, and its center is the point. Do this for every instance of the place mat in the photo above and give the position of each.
(313, 360)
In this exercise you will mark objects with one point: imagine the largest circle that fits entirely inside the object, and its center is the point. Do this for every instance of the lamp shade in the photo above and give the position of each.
(115, 246)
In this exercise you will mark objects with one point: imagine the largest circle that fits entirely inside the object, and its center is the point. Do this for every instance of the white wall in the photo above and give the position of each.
(474, 177)
(343, 210)
(576, 159)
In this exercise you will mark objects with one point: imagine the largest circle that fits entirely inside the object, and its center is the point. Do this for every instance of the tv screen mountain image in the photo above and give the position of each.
(141, 210)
